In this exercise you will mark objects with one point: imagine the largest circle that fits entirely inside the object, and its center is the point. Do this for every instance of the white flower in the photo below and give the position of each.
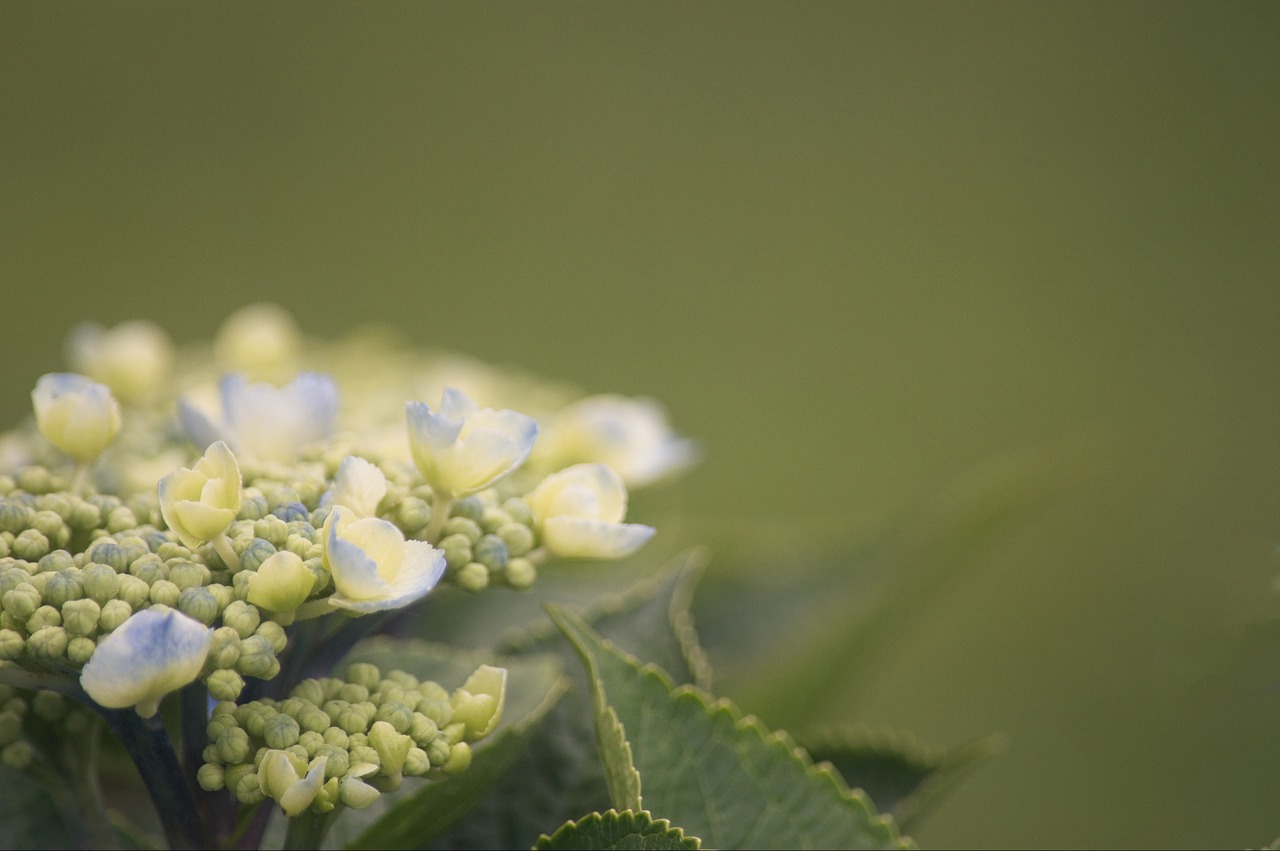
(75, 414)
(374, 567)
(281, 583)
(262, 422)
(461, 449)
(630, 435)
(478, 703)
(133, 358)
(261, 340)
(280, 774)
(154, 652)
(358, 485)
(199, 504)
(579, 512)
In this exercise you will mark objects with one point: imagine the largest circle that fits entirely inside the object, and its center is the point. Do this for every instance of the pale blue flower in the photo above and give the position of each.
(374, 568)
(264, 423)
(156, 651)
(461, 448)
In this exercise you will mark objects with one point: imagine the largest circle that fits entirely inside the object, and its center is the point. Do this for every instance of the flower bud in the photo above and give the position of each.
(211, 777)
(225, 684)
(199, 503)
(10, 727)
(274, 634)
(48, 642)
(132, 358)
(459, 759)
(49, 706)
(520, 573)
(198, 603)
(99, 583)
(43, 617)
(164, 593)
(473, 577)
(478, 704)
(456, 549)
(242, 617)
(18, 755)
(518, 538)
(392, 747)
(12, 645)
(30, 545)
(77, 415)
(189, 574)
(233, 746)
(363, 674)
(281, 583)
(134, 591)
(281, 732)
(114, 613)
(357, 794)
(491, 551)
(80, 617)
(465, 527)
(416, 763)
(21, 602)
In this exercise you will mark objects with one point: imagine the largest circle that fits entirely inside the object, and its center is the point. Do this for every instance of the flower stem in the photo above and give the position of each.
(222, 544)
(148, 744)
(80, 479)
(439, 515)
(306, 831)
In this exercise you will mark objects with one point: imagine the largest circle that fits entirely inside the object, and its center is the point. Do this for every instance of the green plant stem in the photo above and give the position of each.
(306, 831)
(439, 516)
(148, 744)
(222, 545)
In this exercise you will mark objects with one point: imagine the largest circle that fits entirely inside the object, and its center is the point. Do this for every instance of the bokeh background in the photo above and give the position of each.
(866, 252)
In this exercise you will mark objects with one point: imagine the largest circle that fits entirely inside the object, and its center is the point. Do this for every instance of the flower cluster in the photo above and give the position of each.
(144, 553)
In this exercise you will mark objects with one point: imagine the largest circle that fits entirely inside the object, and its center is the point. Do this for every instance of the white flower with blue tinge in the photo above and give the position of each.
(154, 652)
(579, 513)
(292, 784)
(199, 503)
(358, 485)
(264, 423)
(632, 436)
(374, 568)
(133, 358)
(75, 414)
(461, 449)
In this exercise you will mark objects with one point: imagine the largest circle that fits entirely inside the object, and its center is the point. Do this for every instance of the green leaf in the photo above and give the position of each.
(615, 830)
(423, 810)
(723, 777)
(28, 816)
(900, 774)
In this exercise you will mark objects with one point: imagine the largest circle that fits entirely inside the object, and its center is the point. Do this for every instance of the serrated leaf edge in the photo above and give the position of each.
(672, 832)
(888, 828)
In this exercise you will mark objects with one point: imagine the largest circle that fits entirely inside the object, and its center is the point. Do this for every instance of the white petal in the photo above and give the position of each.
(420, 570)
(575, 538)
(359, 485)
(150, 655)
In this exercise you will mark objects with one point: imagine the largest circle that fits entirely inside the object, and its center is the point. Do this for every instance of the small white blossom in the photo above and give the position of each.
(133, 358)
(359, 485)
(461, 449)
(198, 504)
(374, 567)
(292, 785)
(579, 512)
(264, 423)
(632, 436)
(77, 415)
(153, 653)
(261, 340)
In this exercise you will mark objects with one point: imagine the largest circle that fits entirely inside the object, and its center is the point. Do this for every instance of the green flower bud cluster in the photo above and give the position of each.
(373, 730)
(485, 542)
(28, 718)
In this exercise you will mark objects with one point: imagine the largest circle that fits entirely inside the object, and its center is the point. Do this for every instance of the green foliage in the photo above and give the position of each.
(29, 818)
(615, 830)
(723, 777)
(900, 774)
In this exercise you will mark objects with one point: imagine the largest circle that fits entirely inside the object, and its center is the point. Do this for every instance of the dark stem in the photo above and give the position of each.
(306, 831)
(148, 744)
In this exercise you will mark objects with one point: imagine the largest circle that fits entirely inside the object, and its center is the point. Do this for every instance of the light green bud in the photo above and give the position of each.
(413, 514)
(520, 573)
(224, 647)
(149, 568)
(337, 737)
(364, 675)
(11, 622)
(12, 645)
(365, 753)
(211, 777)
(313, 719)
(312, 741)
(456, 549)
(53, 527)
(518, 538)
(275, 635)
(14, 516)
(18, 755)
(253, 506)
(473, 577)
(58, 560)
(22, 601)
(233, 746)
(120, 520)
(351, 718)
(271, 529)
(49, 642)
(299, 546)
(256, 553)
(437, 708)
(471, 508)
(107, 551)
(357, 740)
(83, 515)
(399, 716)
(459, 759)
(464, 526)
(189, 574)
(422, 729)
(248, 791)
(311, 691)
(39, 580)
(10, 578)
(134, 591)
(113, 614)
(416, 764)
(30, 545)
(281, 732)
(478, 704)
(35, 479)
(49, 706)
(5, 539)
(173, 550)
(80, 617)
(99, 583)
(165, 593)
(491, 551)
(353, 692)
(225, 684)
(232, 773)
(356, 794)
(392, 747)
(254, 716)
(10, 727)
(242, 617)
(493, 519)
(438, 751)
(219, 724)
(223, 594)
(198, 603)
(454, 733)
(43, 617)
(257, 658)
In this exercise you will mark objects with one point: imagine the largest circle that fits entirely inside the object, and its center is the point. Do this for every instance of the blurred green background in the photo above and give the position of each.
(859, 249)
